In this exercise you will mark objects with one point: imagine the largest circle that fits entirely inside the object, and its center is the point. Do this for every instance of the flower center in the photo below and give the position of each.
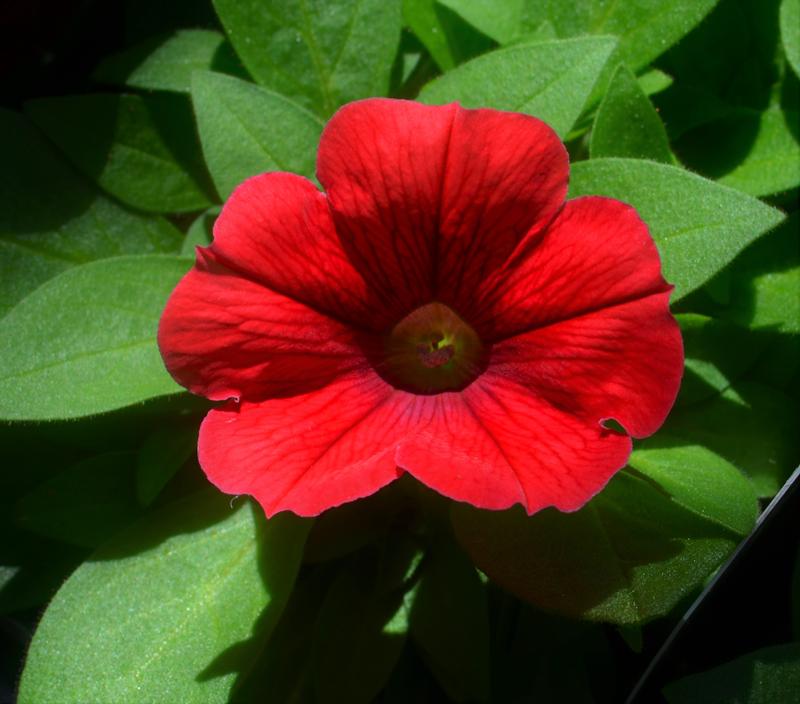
(433, 350)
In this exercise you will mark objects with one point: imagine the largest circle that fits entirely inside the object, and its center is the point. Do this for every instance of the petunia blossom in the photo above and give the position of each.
(437, 309)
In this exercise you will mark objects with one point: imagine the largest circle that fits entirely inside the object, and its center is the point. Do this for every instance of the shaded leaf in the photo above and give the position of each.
(163, 453)
(790, 32)
(85, 341)
(200, 232)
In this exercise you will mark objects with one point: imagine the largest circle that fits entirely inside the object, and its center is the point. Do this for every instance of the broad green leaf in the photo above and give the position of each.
(163, 453)
(51, 219)
(362, 627)
(141, 150)
(200, 232)
(167, 63)
(246, 130)
(755, 152)
(86, 503)
(790, 32)
(320, 54)
(551, 80)
(646, 28)
(752, 426)
(85, 341)
(626, 123)
(605, 562)
(450, 623)
(717, 353)
(765, 676)
(699, 226)
(500, 20)
(148, 616)
(701, 482)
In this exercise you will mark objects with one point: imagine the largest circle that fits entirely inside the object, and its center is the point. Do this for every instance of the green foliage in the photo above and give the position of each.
(85, 342)
(551, 80)
(630, 555)
(148, 617)
(790, 32)
(246, 130)
(626, 123)
(699, 226)
(140, 150)
(320, 54)
(765, 676)
(52, 220)
(167, 63)
(163, 453)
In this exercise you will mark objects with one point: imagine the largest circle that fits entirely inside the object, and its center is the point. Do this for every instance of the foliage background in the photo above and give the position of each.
(125, 127)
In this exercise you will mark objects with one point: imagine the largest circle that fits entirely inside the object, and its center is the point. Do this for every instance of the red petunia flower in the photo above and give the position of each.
(439, 310)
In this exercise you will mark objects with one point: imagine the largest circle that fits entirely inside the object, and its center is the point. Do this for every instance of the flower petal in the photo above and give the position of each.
(623, 362)
(309, 452)
(428, 200)
(224, 336)
(596, 254)
(276, 228)
(495, 444)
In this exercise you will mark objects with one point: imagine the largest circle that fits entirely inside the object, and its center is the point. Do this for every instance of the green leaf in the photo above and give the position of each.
(246, 130)
(605, 562)
(756, 152)
(500, 20)
(701, 482)
(84, 504)
(646, 28)
(85, 341)
(320, 55)
(654, 81)
(752, 426)
(51, 219)
(551, 80)
(627, 124)
(163, 453)
(450, 623)
(200, 232)
(362, 627)
(140, 150)
(765, 676)
(717, 353)
(143, 620)
(699, 226)
(790, 32)
(167, 63)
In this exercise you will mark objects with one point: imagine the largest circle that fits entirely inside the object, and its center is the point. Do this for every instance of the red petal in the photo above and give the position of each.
(223, 336)
(428, 200)
(276, 228)
(309, 452)
(495, 444)
(598, 253)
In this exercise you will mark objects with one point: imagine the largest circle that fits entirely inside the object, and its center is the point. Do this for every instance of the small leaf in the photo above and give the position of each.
(765, 676)
(701, 482)
(627, 124)
(699, 226)
(85, 341)
(140, 150)
(143, 620)
(450, 623)
(246, 130)
(551, 80)
(84, 504)
(605, 562)
(320, 55)
(790, 32)
(654, 81)
(167, 63)
(200, 232)
(51, 219)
